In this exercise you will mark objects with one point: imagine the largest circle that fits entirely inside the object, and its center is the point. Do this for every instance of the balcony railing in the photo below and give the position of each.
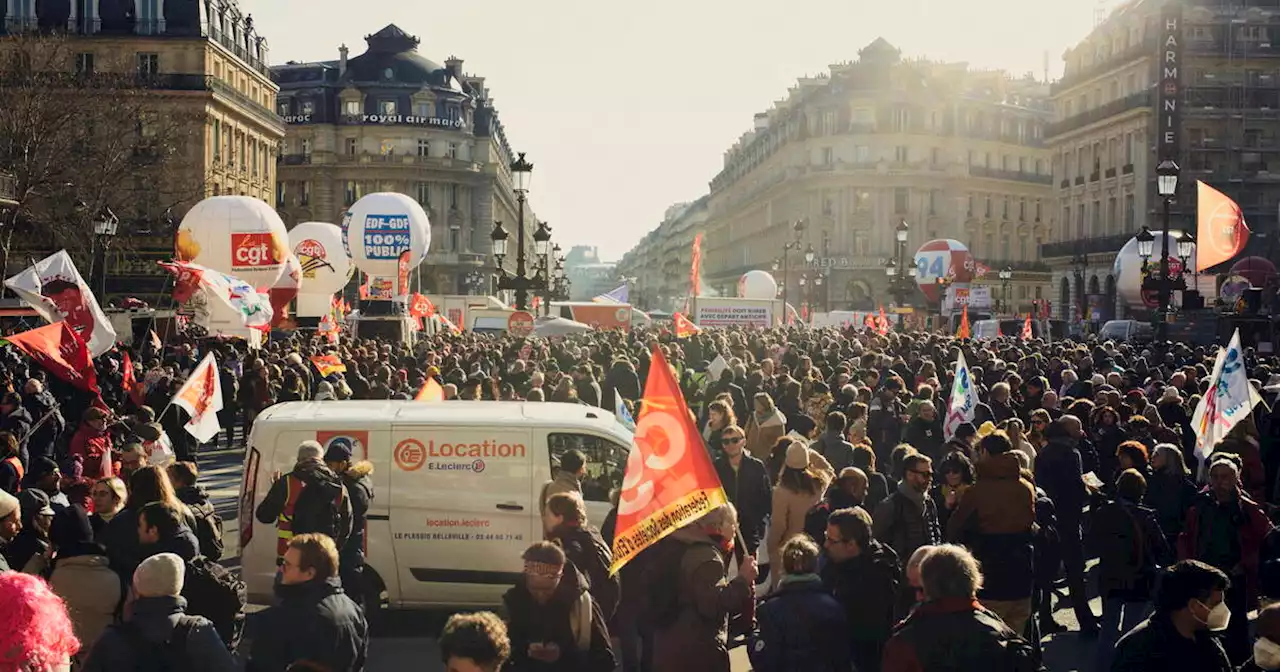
(295, 159)
(1098, 245)
(1111, 109)
(1016, 266)
(8, 189)
(1134, 52)
(1014, 175)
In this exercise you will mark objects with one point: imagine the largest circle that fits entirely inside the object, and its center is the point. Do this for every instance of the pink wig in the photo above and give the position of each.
(35, 631)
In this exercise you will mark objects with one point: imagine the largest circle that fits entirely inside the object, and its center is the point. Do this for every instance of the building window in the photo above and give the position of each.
(1022, 209)
(387, 107)
(424, 147)
(935, 156)
(217, 139)
(828, 155)
(864, 115)
(933, 202)
(351, 108)
(455, 238)
(1112, 221)
(453, 150)
(453, 197)
(282, 108)
(148, 64)
(1065, 224)
(1128, 148)
(280, 199)
(387, 147)
(352, 145)
(422, 110)
(351, 192)
(986, 212)
(900, 154)
(1080, 222)
(1004, 209)
(305, 145)
(254, 158)
(308, 107)
(1022, 248)
(969, 211)
(84, 63)
(424, 194)
(900, 200)
(1004, 163)
(1004, 247)
(306, 193)
(862, 154)
(1129, 214)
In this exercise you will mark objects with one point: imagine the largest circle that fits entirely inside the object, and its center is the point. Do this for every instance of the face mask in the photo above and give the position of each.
(1266, 654)
(1218, 618)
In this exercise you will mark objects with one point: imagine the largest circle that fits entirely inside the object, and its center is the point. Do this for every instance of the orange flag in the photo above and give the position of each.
(431, 391)
(1221, 232)
(695, 268)
(882, 322)
(963, 331)
(1026, 328)
(670, 480)
(684, 327)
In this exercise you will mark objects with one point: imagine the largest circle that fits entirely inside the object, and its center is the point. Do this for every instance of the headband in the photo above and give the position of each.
(544, 570)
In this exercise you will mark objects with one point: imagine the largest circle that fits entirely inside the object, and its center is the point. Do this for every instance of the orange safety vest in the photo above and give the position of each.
(17, 467)
(284, 522)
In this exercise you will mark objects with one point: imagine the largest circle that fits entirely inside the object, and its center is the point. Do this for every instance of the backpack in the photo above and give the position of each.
(166, 657)
(323, 507)
(208, 530)
(215, 593)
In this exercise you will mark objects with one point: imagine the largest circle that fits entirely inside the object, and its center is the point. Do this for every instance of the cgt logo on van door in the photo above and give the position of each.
(412, 455)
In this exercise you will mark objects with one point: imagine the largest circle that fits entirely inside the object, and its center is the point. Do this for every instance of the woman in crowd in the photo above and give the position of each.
(766, 425)
(719, 416)
(800, 487)
(36, 634)
(108, 496)
(565, 522)
(83, 577)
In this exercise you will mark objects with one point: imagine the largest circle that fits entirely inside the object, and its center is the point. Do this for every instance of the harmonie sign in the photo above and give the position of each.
(1169, 74)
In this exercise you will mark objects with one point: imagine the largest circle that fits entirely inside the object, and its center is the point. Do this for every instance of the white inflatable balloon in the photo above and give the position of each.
(757, 285)
(238, 235)
(1128, 270)
(386, 235)
(326, 269)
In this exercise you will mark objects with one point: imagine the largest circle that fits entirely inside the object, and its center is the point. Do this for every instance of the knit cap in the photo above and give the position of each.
(160, 575)
(8, 504)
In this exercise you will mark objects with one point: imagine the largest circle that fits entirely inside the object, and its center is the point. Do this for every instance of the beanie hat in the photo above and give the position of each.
(797, 456)
(8, 504)
(160, 575)
(309, 450)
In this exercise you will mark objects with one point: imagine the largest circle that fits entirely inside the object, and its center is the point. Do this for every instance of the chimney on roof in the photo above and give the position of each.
(454, 66)
(761, 121)
(342, 60)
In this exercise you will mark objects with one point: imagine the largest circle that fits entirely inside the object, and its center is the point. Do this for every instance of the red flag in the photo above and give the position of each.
(58, 349)
(670, 480)
(431, 391)
(156, 344)
(683, 326)
(1026, 328)
(964, 331)
(695, 268)
(129, 381)
(882, 322)
(1221, 232)
(328, 364)
(421, 306)
(870, 322)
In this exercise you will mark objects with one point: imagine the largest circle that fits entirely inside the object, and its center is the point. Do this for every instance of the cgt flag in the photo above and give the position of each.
(328, 365)
(54, 288)
(58, 349)
(431, 391)
(683, 327)
(670, 480)
(201, 396)
(1221, 232)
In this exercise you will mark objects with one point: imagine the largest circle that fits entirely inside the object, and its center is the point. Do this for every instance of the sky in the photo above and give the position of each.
(627, 108)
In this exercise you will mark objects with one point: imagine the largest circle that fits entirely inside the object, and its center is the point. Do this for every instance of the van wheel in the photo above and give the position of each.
(374, 599)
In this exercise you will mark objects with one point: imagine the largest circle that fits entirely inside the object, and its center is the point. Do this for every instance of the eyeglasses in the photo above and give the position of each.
(925, 474)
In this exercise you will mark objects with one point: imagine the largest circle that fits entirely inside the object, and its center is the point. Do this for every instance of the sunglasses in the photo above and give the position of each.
(926, 474)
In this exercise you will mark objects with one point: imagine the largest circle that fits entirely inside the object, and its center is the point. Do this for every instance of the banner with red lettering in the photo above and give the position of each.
(670, 480)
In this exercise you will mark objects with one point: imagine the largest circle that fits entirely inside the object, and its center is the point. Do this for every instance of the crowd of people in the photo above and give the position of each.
(859, 536)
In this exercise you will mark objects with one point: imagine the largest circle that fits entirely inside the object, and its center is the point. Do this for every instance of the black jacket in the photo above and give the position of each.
(315, 621)
(867, 588)
(801, 628)
(1057, 470)
(837, 451)
(1130, 548)
(358, 480)
(529, 622)
(1156, 645)
(586, 549)
(957, 635)
(750, 492)
(45, 437)
(312, 474)
(155, 618)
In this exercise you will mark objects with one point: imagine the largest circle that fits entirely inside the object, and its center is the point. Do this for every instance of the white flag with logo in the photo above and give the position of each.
(54, 288)
(1229, 399)
(964, 400)
(201, 396)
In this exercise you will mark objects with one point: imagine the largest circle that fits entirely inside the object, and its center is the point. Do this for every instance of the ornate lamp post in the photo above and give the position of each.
(1164, 285)
(798, 228)
(521, 173)
(105, 227)
(1006, 275)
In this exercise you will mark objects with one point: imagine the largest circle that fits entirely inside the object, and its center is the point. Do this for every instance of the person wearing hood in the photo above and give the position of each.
(802, 627)
(39, 404)
(996, 521)
(30, 551)
(314, 621)
(319, 511)
(765, 425)
(156, 621)
(92, 443)
(15, 419)
(324, 392)
(864, 576)
(357, 478)
(82, 577)
(45, 476)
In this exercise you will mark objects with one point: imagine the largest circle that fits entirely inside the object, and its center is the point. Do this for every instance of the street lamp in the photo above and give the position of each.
(1167, 186)
(105, 227)
(943, 282)
(798, 228)
(1006, 274)
(521, 175)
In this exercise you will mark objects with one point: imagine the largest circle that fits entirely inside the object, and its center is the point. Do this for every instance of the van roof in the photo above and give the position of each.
(360, 413)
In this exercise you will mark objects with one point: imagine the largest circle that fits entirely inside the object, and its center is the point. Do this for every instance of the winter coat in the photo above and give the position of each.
(586, 549)
(884, 427)
(900, 522)
(563, 482)
(995, 519)
(748, 488)
(1057, 470)
(93, 448)
(92, 592)
(787, 520)
(552, 623)
(1130, 549)
(802, 627)
(835, 450)
(925, 436)
(1157, 645)
(954, 635)
(156, 618)
(358, 479)
(763, 434)
(314, 621)
(312, 474)
(867, 587)
(45, 437)
(1252, 526)
(621, 379)
(1170, 496)
(696, 640)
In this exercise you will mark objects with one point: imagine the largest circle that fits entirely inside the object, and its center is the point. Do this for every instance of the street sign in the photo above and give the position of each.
(520, 323)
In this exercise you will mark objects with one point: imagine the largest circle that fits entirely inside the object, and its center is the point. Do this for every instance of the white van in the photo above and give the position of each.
(456, 488)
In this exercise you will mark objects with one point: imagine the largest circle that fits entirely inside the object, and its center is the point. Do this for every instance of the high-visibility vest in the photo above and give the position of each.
(17, 467)
(284, 522)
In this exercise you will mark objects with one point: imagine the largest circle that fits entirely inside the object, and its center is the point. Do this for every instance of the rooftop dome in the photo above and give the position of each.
(392, 56)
